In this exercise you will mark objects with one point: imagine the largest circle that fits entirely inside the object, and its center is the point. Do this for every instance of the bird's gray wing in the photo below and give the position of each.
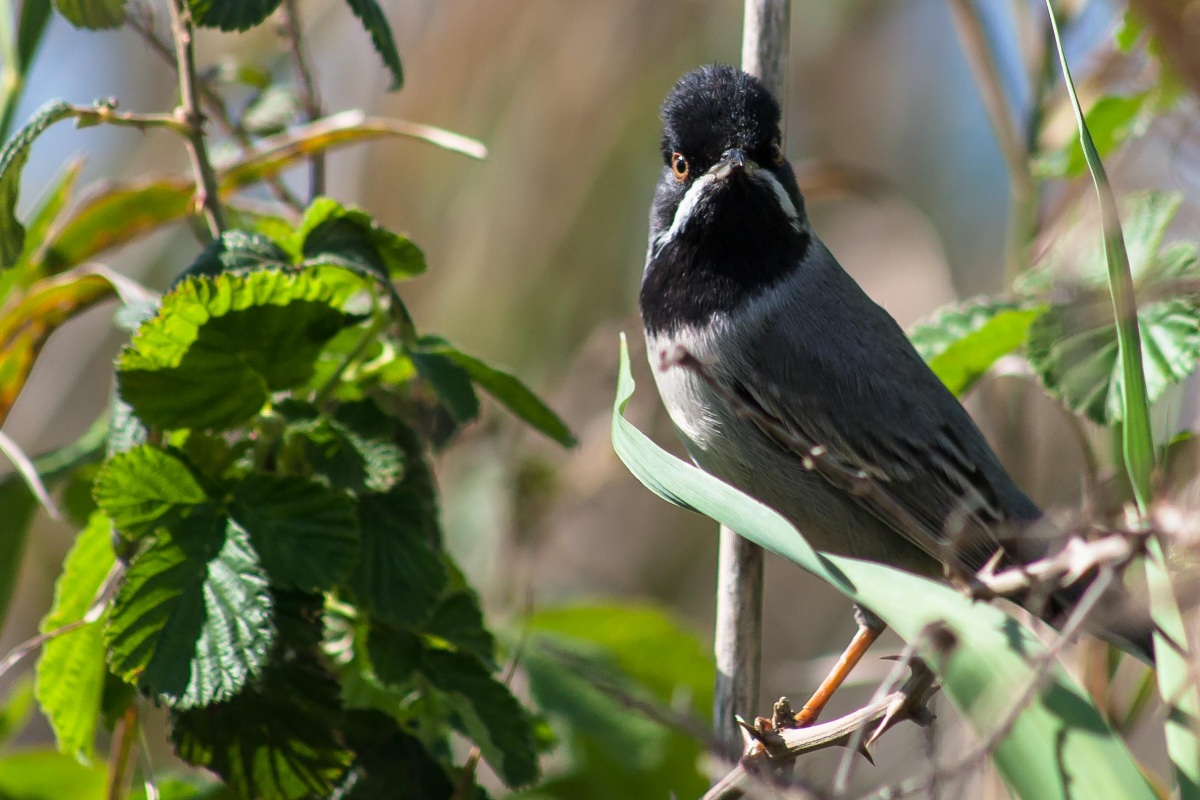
(835, 370)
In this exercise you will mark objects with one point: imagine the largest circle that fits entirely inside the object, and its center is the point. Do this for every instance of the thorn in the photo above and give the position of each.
(865, 753)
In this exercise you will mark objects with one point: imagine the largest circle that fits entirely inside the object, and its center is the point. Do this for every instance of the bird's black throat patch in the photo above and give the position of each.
(731, 250)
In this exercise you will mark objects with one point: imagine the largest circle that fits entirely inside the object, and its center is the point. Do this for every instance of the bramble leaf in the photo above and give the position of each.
(92, 14)
(219, 347)
(961, 341)
(376, 24)
(332, 233)
(231, 15)
(141, 486)
(192, 623)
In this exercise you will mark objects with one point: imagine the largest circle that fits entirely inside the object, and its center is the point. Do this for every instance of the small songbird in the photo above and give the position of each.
(736, 278)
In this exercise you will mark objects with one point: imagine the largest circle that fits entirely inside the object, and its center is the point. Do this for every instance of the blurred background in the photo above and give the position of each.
(536, 254)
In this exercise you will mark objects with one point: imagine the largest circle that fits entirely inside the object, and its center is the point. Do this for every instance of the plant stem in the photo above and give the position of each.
(1024, 192)
(308, 91)
(738, 633)
(189, 112)
(213, 104)
(124, 737)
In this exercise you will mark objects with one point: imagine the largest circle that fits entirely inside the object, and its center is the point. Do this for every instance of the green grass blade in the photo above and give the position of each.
(1174, 683)
(1058, 746)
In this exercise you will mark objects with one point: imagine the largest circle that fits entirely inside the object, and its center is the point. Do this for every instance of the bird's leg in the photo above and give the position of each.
(869, 629)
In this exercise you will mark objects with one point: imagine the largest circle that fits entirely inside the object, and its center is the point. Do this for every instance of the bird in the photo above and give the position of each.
(790, 348)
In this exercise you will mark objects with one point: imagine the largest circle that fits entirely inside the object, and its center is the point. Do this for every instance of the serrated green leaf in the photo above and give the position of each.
(71, 669)
(231, 15)
(333, 233)
(192, 625)
(306, 535)
(47, 775)
(396, 653)
(1074, 349)
(218, 347)
(376, 24)
(961, 341)
(355, 449)
(92, 14)
(516, 396)
(991, 663)
(277, 740)
(13, 156)
(141, 486)
(399, 575)
(386, 757)
(458, 621)
(490, 714)
(237, 251)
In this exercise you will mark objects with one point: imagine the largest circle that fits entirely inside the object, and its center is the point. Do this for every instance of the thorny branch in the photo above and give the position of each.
(189, 113)
(141, 20)
(769, 746)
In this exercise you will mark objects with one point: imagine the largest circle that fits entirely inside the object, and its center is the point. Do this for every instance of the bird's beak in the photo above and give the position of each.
(732, 161)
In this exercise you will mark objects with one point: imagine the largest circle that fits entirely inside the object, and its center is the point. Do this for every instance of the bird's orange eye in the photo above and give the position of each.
(776, 152)
(679, 166)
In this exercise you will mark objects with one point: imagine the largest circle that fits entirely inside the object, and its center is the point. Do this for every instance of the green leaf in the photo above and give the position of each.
(28, 322)
(1075, 351)
(376, 24)
(332, 233)
(192, 623)
(41, 222)
(12, 160)
(71, 670)
(16, 709)
(458, 621)
(277, 740)
(231, 15)
(114, 216)
(306, 535)
(991, 664)
(386, 758)
(1174, 674)
(92, 14)
(47, 775)
(961, 341)
(450, 381)
(515, 395)
(355, 449)
(140, 487)
(399, 575)
(488, 711)
(1113, 120)
(219, 347)
(237, 251)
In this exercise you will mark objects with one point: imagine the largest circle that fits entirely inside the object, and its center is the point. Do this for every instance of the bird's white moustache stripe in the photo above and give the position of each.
(699, 192)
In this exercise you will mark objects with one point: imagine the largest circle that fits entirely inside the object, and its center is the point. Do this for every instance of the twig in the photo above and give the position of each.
(30, 645)
(309, 96)
(737, 641)
(189, 114)
(105, 113)
(1042, 664)
(465, 788)
(1008, 137)
(214, 105)
(773, 747)
(125, 738)
(1068, 565)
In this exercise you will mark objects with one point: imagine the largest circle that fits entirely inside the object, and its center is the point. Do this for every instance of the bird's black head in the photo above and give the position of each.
(727, 220)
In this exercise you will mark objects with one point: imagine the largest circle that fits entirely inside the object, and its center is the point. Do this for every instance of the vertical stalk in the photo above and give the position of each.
(308, 91)
(738, 634)
(189, 109)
